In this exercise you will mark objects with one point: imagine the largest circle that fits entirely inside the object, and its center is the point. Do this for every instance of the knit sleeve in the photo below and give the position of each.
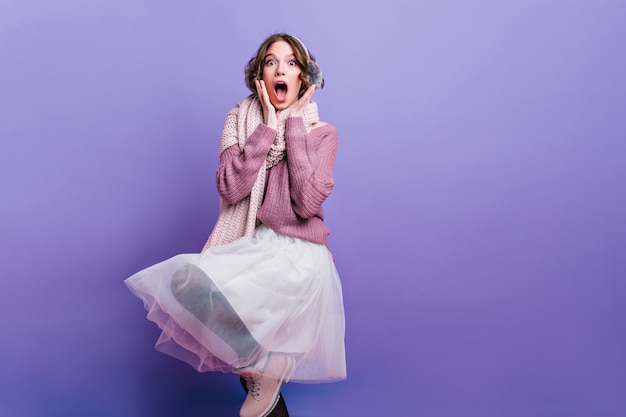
(310, 160)
(238, 168)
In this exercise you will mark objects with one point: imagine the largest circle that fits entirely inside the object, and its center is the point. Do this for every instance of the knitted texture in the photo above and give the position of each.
(239, 219)
(298, 186)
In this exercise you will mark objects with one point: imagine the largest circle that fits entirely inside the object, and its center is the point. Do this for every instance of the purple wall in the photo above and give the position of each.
(478, 218)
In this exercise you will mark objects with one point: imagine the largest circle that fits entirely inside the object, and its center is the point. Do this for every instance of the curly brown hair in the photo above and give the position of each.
(309, 70)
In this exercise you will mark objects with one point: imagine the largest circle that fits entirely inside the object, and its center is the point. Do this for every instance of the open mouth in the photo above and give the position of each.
(280, 90)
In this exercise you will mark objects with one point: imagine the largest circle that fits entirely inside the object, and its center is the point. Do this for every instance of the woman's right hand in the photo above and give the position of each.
(269, 112)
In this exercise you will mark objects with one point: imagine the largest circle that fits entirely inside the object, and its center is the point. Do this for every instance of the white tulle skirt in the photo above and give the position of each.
(235, 305)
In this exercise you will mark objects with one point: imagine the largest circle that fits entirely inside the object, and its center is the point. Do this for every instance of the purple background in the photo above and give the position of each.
(478, 219)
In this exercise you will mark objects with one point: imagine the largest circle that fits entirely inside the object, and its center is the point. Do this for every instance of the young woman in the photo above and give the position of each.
(263, 299)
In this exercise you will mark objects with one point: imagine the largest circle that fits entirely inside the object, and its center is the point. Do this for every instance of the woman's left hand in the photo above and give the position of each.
(298, 108)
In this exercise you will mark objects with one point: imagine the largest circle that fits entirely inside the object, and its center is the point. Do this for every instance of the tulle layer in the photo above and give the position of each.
(236, 305)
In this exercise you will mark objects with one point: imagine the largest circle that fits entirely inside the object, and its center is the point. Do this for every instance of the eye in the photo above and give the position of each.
(293, 63)
(270, 62)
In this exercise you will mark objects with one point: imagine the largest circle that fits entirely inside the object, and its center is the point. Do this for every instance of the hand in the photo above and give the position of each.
(269, 112)
(298, 108)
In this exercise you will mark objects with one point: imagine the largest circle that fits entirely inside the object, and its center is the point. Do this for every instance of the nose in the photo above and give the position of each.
(280, 69)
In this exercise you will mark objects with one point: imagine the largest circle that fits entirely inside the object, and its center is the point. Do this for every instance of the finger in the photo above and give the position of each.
(310, 91)
(308, 94)
(306, 97)
(260, 87)
(262, 92)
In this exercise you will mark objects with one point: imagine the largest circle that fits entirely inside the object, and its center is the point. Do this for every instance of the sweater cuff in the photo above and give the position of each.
(262, 134)
(260, 141)
(295, 129)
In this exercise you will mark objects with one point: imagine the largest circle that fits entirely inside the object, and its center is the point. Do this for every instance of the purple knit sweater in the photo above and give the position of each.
(295, 188)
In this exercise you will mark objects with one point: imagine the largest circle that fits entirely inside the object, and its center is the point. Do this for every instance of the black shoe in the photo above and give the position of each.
(281, 408)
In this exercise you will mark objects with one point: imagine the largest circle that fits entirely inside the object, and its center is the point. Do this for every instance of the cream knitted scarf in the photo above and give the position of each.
(237, 220)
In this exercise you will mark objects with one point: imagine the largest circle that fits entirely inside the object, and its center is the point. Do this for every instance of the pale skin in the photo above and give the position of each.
(280, 65)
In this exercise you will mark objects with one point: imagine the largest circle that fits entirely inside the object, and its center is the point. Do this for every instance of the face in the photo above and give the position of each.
(281, 75)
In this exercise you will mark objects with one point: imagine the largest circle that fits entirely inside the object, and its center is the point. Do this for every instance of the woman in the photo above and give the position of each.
(263, 299)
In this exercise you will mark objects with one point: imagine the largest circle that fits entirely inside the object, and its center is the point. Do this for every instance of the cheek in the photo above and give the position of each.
(266, 73)
(298, 84)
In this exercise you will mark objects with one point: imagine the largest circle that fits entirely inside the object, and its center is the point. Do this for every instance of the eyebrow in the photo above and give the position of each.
(274, 56)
